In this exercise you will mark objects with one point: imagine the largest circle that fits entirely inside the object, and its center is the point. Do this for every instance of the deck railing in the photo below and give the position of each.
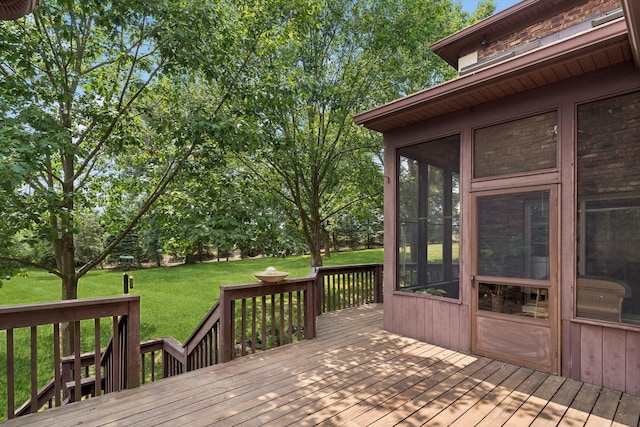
(266, 315)
(347, 286)
(71, 375)
(247, 319)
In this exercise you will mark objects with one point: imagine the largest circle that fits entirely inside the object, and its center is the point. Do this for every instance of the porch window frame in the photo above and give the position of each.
(580, 225)
(528, 177)
(448, 256)
(581, 252)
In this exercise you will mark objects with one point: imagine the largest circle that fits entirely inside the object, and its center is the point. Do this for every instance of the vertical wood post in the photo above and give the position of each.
(11, 384)
(133, 344)
(378, 283)
(226, 327)
(310, 308)
(318, 296)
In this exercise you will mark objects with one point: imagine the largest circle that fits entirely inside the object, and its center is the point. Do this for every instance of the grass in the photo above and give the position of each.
(173, 301)
(434, 252)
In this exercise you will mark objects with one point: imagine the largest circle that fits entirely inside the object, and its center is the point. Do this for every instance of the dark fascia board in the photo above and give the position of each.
(512, 19)
(581, 44)
(631, 10)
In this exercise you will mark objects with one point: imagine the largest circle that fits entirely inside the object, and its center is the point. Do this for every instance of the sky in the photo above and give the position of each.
(470, 5)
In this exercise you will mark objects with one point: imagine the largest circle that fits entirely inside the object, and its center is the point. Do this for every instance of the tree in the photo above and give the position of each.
(344, 57)
(80, 91)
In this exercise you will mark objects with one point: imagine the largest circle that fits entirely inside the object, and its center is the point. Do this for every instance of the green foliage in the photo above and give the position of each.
(432, 291)
(341, 58)
(485, 9)
(112, 110)
(105, 103)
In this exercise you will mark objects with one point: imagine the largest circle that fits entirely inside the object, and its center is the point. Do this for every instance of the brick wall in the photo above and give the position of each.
(556, 23)
(517, 146)
(609, 146)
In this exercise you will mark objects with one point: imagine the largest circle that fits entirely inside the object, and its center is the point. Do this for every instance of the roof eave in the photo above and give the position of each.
(574, 47)
(522, 13)
(631, 10)
(15, 9)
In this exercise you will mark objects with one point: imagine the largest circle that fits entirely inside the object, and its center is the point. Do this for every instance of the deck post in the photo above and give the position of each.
(133, 343)
(378, 283)
(226, 327)
(310, 313)
(318, 294)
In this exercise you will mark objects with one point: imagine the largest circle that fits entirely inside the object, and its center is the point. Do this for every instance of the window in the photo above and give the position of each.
(608, 282)
(609, 260)
(428, 218)
(513, 235)
(513, 238)
(522, 145)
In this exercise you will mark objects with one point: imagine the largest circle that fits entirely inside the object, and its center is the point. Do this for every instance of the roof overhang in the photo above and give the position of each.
(631, 10)
(597, 48)
(14, 9)
(520, 15)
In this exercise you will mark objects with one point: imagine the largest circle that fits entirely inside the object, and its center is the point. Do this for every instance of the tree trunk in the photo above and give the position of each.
(65, 259)
(316, 256)
(313, 233)
(327, 244)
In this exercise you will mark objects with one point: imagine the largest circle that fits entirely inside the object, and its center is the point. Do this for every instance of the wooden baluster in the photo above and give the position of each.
(282, 319)
(97, 389)
(115, 355)
(10, 376)
(273, 320)
(243, 326)
(299, 315)
(34, 369)
(253, 325)
(57, 365)
(77, 362)
(264, 323)
(290, 317)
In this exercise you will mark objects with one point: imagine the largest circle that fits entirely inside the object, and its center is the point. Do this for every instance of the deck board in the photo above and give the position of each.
(354, 374)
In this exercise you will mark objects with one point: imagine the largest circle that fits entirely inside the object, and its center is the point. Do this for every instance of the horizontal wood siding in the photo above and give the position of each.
(607, 356)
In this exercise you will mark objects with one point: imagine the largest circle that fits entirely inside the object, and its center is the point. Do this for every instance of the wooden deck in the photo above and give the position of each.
(354, 374)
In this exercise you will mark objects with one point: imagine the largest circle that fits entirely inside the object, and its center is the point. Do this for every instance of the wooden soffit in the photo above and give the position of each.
(600, 47)
(14, 9)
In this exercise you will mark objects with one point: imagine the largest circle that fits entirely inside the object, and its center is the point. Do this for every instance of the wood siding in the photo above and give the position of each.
(606, 356)
(594, 352)
(439, 322)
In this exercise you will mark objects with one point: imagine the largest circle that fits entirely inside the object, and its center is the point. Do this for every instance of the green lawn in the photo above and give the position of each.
(173, 302)
(173, 299)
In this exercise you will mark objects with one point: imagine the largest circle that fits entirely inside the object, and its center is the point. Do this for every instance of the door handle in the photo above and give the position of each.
(473, 281)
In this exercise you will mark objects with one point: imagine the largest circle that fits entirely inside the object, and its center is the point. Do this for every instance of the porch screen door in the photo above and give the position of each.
(514, 284)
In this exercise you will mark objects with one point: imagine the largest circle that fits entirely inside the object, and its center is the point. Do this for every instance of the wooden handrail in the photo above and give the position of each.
(208, 323)
(285, 289)
(340, 287)
(48, 313)
(248, 318)
(71, 311)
